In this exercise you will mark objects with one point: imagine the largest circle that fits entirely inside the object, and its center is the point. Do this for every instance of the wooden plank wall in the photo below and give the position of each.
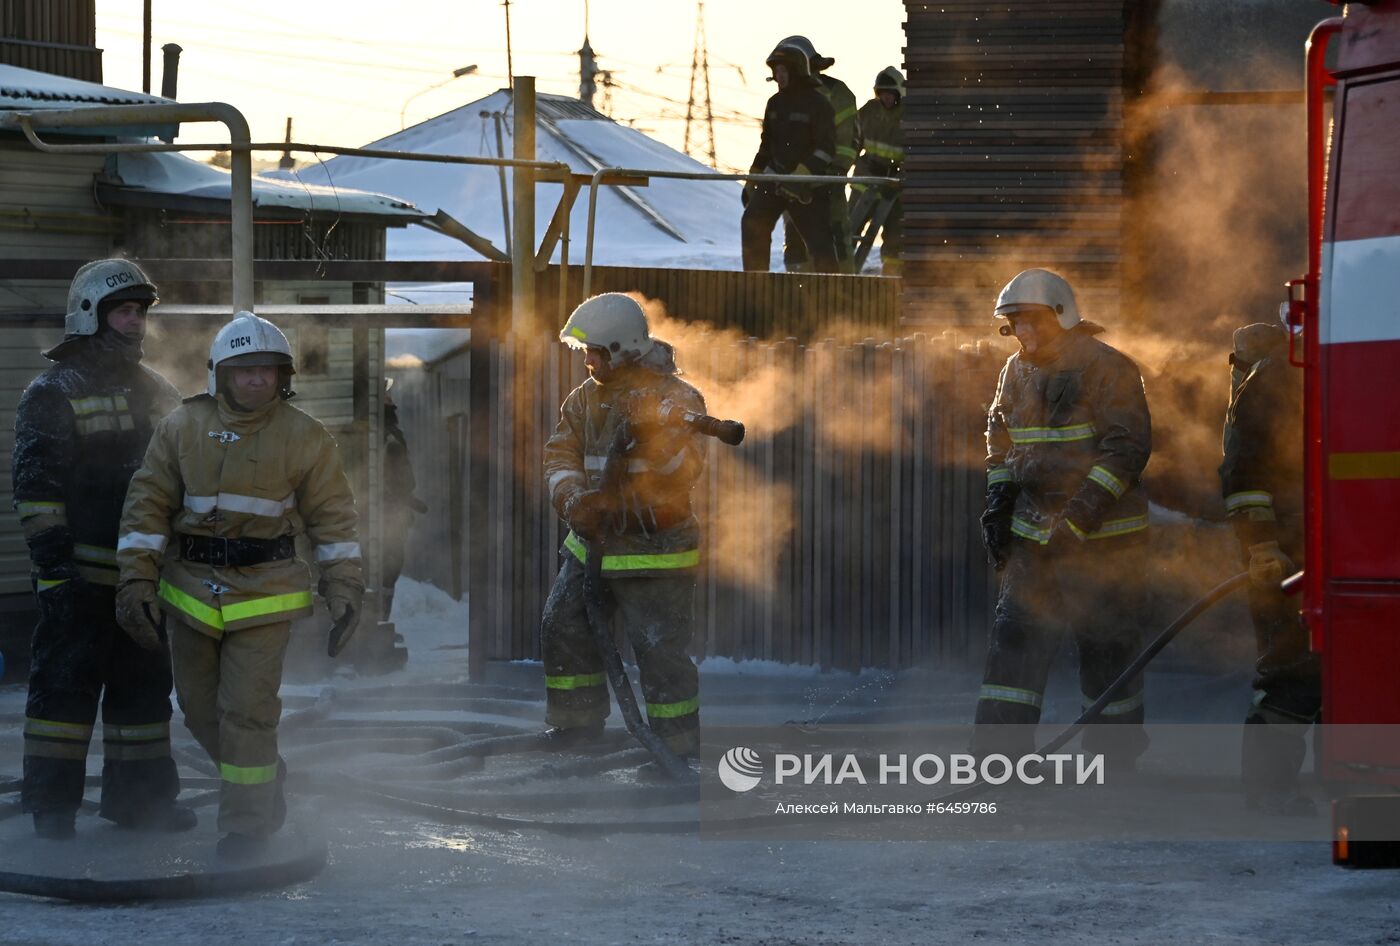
(1013, 124)
(54, 36)
(843, 535)
(760, 305)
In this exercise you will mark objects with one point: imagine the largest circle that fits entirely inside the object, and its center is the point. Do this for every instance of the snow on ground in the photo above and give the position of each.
(415, 877)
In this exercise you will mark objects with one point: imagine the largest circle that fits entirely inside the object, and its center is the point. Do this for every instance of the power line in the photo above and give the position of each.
(700, 67)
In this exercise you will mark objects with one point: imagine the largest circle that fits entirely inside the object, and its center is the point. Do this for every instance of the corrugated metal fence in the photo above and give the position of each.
(842, 533)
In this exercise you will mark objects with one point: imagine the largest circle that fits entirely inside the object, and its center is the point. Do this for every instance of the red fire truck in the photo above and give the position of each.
(1348, 309)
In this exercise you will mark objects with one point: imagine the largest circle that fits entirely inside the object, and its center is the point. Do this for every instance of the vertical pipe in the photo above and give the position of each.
(146, 47)
(523, 243)
(1317, 79)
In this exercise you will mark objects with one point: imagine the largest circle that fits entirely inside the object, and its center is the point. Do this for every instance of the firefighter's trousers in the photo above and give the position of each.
(1287, 686)
(227, 688)
(1095, 592)
(813, 221)
(657, 616)
(795, 256)
(80, 656)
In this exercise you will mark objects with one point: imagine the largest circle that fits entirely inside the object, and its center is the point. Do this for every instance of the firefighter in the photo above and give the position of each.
(651, 548)
(1068, 435)
(799, 137)
(80, 432)
(1261, 479)
(208, 548)
(399, 503)
(843, 104)
(882, 154)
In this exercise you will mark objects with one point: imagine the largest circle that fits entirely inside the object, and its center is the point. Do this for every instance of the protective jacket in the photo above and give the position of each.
(1261, 477)
(80, 433)
(881, 141)
(659, 534)
(799, 132)
(1070, 431)
(212, 471)
(844, 112)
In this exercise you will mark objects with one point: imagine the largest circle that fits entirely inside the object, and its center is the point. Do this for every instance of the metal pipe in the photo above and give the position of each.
(1317, 80)
(241, 161)
(599, 174)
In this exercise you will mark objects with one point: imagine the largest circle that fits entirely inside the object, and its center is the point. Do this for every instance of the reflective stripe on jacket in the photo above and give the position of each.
(662, 469)
(1073, 431)
(1261, 476)
(80, 432)
(213, 471)
(881, 142)
(844, 112)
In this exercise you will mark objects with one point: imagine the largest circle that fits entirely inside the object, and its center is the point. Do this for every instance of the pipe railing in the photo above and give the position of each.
(240, 146)
(599, 174)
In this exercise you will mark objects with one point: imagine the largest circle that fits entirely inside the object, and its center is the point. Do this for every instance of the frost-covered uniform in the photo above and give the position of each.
(650, 565)
(268, 475)
(80, 433)
(1261, 479)
(1070, 433)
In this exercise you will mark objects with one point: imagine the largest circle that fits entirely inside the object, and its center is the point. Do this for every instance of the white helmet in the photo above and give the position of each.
(612, 321)
(248, 340)
(1034, 289)
(116, 280)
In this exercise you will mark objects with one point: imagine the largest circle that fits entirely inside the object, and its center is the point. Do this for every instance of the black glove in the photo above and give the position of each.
(586, 513)
(51, 548)
(57, 587)
(996, 522)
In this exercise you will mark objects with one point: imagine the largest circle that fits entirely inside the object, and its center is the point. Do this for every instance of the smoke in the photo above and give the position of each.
(406, 362)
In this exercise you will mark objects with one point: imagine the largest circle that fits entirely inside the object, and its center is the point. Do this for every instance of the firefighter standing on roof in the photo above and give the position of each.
(1068, 436)
(208, 538)
(882, 155)
(651, 547)
(843, 105)
(799, 137)
(81, 430)
(1261, 479)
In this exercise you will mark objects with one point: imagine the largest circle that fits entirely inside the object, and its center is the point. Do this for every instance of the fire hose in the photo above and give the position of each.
(597, 599)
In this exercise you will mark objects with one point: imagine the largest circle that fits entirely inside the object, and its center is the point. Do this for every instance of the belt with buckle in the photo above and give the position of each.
(235, 553)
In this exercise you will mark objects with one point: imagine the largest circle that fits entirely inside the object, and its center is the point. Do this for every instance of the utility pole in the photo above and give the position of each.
(510, 65)
(700, 68)
(522, 257)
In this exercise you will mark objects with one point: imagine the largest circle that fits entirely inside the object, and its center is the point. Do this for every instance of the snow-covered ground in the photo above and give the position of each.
(402, 874)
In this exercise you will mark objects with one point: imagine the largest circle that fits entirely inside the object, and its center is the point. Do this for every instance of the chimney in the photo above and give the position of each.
(171, 74)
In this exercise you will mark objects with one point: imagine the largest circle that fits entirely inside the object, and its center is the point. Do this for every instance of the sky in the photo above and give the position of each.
(344, 72)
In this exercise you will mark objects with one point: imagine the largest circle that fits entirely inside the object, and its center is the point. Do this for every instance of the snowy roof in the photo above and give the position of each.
(163, 175)
(685, 224)
(25, 88)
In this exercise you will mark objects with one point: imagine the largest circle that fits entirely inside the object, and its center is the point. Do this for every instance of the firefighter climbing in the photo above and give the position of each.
(80, 433)
(874, 211)
(649, 541)
(208, 540)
